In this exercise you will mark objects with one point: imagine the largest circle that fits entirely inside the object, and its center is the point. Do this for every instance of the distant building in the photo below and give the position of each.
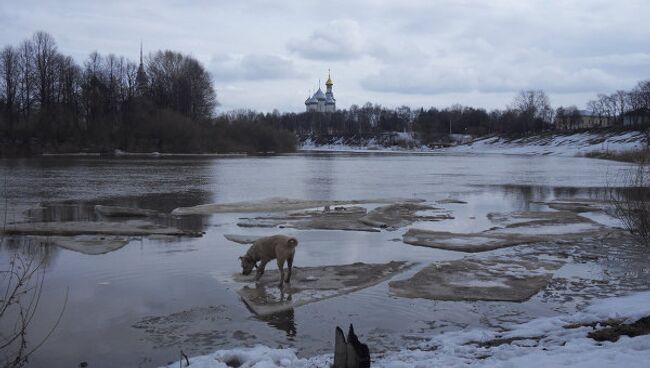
(637, 118)
(141, 80)
(582, 119)
(322, 102)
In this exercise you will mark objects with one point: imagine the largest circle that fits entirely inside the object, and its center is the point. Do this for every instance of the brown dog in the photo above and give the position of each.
(263, 250)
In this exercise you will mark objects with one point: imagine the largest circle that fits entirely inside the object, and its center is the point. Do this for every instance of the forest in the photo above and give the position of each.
(165, 103)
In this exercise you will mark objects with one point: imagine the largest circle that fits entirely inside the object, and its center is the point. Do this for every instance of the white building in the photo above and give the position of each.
(322, 102)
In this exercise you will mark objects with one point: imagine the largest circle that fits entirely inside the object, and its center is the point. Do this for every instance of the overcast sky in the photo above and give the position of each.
(270, 54)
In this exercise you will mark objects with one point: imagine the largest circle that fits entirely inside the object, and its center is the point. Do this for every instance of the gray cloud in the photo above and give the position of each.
(252, 67)
(337, 40)
(421, 81)
(434, 80)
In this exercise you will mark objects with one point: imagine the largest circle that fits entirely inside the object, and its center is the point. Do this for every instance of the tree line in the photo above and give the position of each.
(529, 113)
(613, 106)
(165, 103)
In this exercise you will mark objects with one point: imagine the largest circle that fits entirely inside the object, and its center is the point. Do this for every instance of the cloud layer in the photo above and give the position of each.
(267, 55)
(337, 40)
(252, 67)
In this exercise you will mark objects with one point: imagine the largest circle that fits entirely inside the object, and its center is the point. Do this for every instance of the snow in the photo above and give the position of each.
(577, 144)
(257, 357)
(474, 240)
(556, 229)
(498, 283)
(372, 145)
(542, 342)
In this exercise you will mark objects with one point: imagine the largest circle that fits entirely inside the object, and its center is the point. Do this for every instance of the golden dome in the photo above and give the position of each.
(329, 79)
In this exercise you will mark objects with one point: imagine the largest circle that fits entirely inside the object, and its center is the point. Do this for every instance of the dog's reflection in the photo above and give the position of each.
(283, 321)
(284, 318)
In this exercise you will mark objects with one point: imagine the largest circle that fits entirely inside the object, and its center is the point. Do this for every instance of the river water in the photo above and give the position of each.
(142, 304)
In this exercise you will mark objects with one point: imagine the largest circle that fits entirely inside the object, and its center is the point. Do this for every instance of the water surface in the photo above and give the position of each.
(178, 294)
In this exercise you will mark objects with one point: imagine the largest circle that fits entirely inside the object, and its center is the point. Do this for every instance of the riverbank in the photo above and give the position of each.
(558, 144)
(543, 342)
(600, 144)
(634, 156)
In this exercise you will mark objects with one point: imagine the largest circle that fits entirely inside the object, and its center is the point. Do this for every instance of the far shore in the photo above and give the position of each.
(143, 154)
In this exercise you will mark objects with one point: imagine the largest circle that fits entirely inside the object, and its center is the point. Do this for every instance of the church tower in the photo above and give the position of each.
(141, 81)
(330, 101)
(322, 102)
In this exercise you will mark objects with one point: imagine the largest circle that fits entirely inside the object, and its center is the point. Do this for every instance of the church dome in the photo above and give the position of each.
(311, 101)
(319, 95)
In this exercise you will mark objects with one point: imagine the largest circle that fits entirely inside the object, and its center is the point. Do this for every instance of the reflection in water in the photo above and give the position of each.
(283, 321)
(12, 246)
(161, 202)
(273, 296)
(159, 184)
(22, 275)
(323, 175)
(524, 196)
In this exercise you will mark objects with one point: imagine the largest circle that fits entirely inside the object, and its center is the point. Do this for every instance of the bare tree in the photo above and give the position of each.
(621, 100)
(182, 84)
(45, 54)
(535, 107)
(9, 80)
(640, 95)
(632, 204)
(26, 65)
(21, 283)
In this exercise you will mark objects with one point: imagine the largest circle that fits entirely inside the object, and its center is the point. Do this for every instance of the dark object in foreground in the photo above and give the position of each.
(613, 333)
(350, 354)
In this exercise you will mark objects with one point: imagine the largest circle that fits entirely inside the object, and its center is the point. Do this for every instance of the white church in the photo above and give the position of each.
(322, 102)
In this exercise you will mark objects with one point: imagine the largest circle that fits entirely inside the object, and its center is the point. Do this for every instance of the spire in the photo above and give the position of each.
(141, 76)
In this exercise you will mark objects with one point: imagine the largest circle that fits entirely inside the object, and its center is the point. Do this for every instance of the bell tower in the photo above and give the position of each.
(329, 82)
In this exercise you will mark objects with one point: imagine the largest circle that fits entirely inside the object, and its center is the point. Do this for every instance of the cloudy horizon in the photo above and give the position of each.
(268, 55)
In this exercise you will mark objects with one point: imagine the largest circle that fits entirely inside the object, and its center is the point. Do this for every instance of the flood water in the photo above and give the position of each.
(142, 304)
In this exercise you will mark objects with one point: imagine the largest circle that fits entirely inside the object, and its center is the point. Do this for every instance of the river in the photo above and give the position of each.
(142, 304)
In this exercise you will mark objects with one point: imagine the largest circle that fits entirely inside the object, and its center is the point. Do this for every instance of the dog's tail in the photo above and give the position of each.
(292, 242)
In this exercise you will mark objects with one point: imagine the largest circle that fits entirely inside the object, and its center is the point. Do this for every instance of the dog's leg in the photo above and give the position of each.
(281, 268)
(289, 268)
(260, 269)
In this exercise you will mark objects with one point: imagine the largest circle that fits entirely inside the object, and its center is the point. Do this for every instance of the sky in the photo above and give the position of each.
(267, 55)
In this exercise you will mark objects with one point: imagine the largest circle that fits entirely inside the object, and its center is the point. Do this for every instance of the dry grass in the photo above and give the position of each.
(632, 204)
(634, 156)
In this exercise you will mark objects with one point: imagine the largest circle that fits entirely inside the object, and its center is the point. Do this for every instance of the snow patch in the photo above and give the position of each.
(577, 144)
(542, 342)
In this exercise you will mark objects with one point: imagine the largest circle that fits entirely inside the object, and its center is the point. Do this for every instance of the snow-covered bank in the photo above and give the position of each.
(542, 342)
(578, 144)
(398, 142)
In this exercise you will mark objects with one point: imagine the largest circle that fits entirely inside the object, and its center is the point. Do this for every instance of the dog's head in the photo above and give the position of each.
(247, 264)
